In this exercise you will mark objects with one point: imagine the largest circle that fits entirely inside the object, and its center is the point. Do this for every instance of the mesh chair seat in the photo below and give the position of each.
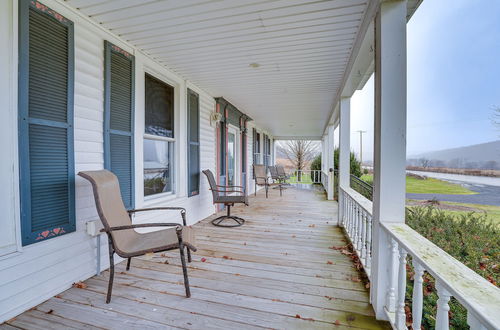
(155, 241)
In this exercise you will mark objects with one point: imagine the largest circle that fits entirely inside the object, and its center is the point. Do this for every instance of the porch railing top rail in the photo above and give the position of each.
(476, 294)
(361, 200)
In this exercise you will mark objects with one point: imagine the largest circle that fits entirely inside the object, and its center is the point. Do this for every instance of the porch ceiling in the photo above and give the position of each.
(301, 47)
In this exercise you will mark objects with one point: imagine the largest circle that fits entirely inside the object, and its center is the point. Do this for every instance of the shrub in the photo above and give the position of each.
(316, 163)
(354, 163)
(469, 238)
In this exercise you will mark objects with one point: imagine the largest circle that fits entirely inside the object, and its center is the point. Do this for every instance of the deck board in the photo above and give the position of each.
(276, 271)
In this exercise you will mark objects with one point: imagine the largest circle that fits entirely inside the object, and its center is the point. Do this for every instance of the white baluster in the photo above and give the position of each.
(418, 295)
(400, 311)
(368, 241)
(356, 228)
(442, 319)
(363, 236)
(390, 303)
(474, 322)
(349, 216)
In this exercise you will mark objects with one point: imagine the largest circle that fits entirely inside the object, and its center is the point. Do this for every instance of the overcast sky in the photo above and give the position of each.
(453, 78)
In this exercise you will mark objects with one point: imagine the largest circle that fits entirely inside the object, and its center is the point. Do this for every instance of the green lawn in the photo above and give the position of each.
(305, 178)
(492, 212)
(429, 186)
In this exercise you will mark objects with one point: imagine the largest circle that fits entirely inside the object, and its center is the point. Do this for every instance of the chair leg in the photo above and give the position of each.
(111, 271)
(255, 189)
(128, 263)
(189, 254)
(267, 189)
(184, 271)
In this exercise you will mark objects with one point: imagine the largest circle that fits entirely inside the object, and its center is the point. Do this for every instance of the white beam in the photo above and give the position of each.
(330, 162)
(344, 141)
(390, 139)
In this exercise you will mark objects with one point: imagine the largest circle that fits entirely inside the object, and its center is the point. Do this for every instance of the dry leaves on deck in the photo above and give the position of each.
(79, 285)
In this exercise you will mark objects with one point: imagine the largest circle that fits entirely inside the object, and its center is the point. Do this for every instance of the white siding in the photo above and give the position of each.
(36, 272)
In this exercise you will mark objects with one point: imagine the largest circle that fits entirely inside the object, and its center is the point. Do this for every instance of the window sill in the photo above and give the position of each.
(158, 198)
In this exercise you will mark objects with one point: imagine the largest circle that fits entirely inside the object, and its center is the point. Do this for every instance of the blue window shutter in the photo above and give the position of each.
(119, 73)
(193, 143)
(46, 153)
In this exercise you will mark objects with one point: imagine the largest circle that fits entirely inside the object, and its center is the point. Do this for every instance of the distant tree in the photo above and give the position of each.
(298, 152)
(495, 118)
(424, 162)
(355, 165)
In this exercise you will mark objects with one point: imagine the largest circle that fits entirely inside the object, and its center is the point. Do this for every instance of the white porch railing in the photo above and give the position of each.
(453, 279)
(356, 219)
(324, 180)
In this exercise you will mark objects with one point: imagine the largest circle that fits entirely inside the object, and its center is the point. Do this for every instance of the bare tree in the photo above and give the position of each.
(298, 152)
(495, 118)
(424, 162)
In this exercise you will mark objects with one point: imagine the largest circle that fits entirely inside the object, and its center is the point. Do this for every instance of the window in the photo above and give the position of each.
(158, 137)
(46, 157)
(193, 122)
(119, 118)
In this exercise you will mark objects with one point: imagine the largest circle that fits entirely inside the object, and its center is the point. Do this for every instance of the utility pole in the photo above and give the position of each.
(361, 146)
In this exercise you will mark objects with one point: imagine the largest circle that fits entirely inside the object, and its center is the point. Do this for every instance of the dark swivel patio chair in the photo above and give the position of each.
(227, 195)
(278, 181)
(123, 239)
(261, 179)
(282, 174)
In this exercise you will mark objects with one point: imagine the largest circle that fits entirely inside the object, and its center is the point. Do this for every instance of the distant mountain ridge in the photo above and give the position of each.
(483, 155)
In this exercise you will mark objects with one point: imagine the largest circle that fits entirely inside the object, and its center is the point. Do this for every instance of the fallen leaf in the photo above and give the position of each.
(237, 274)
(50, 311)
(328, 297)
(312, 225)
(329, 262)
(225, 257)
(367, 285)
(297, 316)
(337, 322)
(149, 256)
(203, 259)
(79, 285)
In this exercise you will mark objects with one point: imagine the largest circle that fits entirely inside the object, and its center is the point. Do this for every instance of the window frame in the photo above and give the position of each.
(173, 145)
(189, 93)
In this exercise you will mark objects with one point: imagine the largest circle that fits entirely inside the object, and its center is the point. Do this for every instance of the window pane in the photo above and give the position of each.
(231, 159)
(159, 108)
(157, 166)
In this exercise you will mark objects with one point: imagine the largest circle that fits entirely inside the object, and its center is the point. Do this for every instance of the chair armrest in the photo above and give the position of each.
(230, 186)
(143, 225)
(183, 211)
(229, 191)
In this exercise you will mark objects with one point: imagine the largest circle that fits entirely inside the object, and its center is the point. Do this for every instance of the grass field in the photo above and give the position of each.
(429, 186)
(492, 213)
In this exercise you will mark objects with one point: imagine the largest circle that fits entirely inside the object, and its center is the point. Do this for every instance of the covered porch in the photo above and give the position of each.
(287, 267)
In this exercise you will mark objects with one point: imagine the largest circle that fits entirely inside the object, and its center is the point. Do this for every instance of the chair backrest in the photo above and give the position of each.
(274, 172)
(260, 174)
(109, 204)
(280, 170)
(213, 184)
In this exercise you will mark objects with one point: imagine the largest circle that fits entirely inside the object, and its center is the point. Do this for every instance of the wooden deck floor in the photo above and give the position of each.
(276, 271)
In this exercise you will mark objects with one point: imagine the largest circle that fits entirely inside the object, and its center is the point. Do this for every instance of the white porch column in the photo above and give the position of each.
(390, 140)
(345, 141)
(330, 162)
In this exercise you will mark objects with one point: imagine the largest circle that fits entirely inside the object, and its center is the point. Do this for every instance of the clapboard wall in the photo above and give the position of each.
(31, 274)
